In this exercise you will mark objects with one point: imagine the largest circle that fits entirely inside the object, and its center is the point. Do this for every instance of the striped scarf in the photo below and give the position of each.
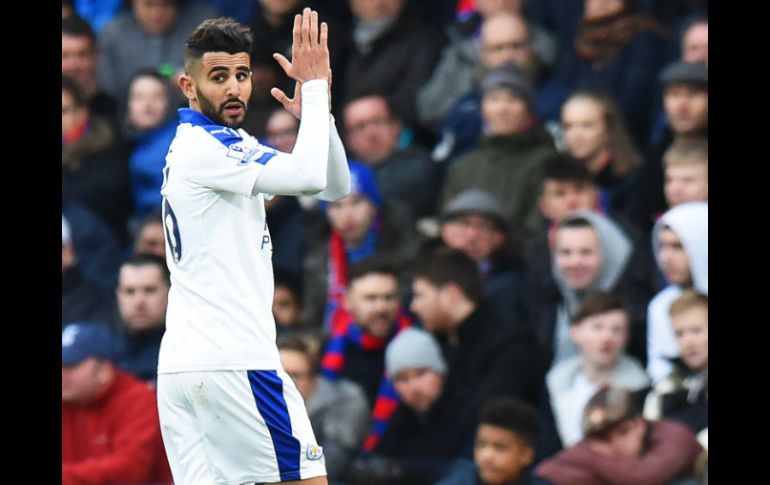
(464, 9)
(339, 257)
(346, 332)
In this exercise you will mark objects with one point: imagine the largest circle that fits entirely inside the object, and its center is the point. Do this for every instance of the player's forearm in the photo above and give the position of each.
(304, 171)
(337, 171)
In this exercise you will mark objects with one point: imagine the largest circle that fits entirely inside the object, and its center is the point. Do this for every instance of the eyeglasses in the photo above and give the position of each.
(515, 45)
(378, 122)
(480, 225)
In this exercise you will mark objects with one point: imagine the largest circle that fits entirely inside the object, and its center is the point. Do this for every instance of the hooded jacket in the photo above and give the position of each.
(617, 250)
(628, 374)
(690, 223)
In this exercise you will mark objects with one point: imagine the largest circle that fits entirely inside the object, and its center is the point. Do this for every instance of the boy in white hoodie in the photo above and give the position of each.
(680, 243)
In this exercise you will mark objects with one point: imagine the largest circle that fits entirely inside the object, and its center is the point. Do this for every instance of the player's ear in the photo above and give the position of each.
(187, 85)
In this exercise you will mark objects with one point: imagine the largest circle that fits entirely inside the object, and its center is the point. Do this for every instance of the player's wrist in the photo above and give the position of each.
(315, 89)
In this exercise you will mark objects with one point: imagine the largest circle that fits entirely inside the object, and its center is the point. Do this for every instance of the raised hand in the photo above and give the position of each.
(309, 57)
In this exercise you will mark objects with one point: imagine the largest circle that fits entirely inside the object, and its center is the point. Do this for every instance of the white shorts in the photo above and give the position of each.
(236, 427)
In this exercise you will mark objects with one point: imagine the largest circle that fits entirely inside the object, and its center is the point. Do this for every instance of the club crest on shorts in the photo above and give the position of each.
(314, 452)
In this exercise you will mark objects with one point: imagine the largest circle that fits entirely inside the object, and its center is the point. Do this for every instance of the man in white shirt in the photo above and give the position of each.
(229, 413)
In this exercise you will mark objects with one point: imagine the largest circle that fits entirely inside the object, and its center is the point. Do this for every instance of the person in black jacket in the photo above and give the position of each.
(392, 52)
(434, 423)
(484, 352)
(81, 300)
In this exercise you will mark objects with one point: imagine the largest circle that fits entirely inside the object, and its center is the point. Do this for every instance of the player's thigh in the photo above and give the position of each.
(182, 438)
(256, 427)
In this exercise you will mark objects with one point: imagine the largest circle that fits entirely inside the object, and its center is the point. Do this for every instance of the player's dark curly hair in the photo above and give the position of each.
(222, 34)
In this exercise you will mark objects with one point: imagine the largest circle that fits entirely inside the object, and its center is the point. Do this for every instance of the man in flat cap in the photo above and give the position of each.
(686, 103)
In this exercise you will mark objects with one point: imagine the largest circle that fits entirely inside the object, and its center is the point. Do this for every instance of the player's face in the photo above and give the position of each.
(686, 183)
(474, 234)
(559, 198)
(351, 217)
(83, 381)
(578, 256)
(691, 328)
(418, 389)
(427, 305)
(585, 131)
(503, 112)
(673, 258)
(500, 455)
(373, 301)
(142, 296)
(147, 103)
(151, 240)
(602, 337)
(219, 86)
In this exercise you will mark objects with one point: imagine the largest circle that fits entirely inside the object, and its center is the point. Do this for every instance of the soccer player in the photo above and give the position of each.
(229, 412)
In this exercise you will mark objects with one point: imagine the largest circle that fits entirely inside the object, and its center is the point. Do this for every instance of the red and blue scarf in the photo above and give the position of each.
(339, 258)
(346, 332)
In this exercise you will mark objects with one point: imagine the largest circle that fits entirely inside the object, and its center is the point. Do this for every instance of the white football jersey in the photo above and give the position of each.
(218, 250)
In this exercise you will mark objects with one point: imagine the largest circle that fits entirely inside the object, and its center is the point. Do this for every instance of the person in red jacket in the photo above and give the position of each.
(621, 447)
(110, 427)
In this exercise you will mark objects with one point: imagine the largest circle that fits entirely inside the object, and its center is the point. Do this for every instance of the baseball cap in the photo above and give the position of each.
(475, 201)
(81, 340)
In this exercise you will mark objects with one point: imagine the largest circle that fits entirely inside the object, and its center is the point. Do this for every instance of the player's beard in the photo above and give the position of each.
(208, 109)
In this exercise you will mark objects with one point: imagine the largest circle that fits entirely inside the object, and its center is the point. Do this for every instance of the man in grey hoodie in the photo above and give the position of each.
(680, 243)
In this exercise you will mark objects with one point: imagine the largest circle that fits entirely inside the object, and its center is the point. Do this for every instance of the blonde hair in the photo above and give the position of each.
(687, 300)
(691, 150)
